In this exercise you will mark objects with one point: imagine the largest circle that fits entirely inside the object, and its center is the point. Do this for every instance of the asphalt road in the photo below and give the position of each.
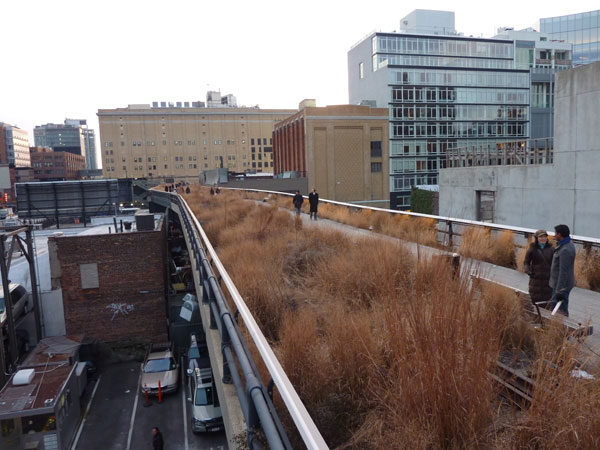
(117, 421)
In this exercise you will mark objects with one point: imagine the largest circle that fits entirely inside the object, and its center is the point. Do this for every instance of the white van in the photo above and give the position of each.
(20, 302)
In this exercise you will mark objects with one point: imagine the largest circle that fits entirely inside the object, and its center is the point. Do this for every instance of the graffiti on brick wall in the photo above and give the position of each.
(120, 308)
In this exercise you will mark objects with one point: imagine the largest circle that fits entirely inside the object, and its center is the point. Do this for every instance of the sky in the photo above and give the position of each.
(67, 59)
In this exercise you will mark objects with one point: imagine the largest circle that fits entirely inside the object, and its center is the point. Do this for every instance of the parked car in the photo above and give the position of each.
(160, 365)
(197, 354)
(206, 410)
(20, 302)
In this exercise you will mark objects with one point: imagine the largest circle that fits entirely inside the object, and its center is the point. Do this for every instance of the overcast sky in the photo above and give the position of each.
(64, 58)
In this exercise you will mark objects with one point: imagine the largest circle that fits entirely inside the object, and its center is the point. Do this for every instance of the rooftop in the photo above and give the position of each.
(53, 360)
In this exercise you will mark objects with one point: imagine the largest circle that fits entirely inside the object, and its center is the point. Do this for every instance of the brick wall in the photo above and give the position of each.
(129, 302)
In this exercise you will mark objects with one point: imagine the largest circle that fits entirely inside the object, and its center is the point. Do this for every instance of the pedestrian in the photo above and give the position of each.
(157, 439)
(187, 189)
(218, 190)
(166, 188)
(313, 200)
(538, 260)
(212, 191)
(297, 201)
(562, 271)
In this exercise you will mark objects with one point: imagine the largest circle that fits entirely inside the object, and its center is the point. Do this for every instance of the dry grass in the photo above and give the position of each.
(386, 351)
(479, 243)
(587, 269)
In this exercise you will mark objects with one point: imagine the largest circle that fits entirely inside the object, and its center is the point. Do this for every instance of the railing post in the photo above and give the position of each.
(450, 235)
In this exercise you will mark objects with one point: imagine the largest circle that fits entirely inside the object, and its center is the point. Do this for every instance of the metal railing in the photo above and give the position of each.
(517, 153)
(255, 401)
(449, 227)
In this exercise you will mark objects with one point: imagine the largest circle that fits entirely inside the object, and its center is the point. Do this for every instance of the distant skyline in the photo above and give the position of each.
(67, 58)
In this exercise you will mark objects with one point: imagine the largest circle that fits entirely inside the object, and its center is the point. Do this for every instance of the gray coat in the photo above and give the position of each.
(562, 271)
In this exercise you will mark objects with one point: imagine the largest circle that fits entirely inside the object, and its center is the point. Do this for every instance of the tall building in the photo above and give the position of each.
(14, 145)
(543, 56)
(342, 150)
(443, 91)
(89, 139)
(158, 142)
(582, 30)
(68, 137)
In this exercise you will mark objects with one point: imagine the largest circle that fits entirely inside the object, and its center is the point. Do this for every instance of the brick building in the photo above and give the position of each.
(342, 150)
(50, 165)
(113, 285)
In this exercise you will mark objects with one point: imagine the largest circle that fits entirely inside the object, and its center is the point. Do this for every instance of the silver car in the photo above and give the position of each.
(159, 366)
(19, 299)
(206, 410)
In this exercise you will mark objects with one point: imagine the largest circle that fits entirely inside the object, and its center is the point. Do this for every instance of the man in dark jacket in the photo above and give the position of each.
(157, 439)
(298, 200)
(313, 200)
(562, 271)
(538, 260)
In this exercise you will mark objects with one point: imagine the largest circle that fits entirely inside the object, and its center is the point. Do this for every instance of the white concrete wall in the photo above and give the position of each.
(541, 196)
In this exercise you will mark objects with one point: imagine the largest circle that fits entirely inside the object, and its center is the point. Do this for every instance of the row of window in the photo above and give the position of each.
(437, 46)
(109, 144)
(412, 94)
(381, 61)
(405, 182)
(458, 112)
(460, 129)
(255, 165)
(400, 165)
(460, 78)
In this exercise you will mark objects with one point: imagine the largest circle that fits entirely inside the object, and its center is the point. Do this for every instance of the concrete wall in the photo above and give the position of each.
(541, 196)
(129, 300)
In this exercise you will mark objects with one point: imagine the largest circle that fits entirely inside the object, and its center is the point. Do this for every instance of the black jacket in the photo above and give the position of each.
(537, 265)
(298, 200)
(313, 199)
(157, 441)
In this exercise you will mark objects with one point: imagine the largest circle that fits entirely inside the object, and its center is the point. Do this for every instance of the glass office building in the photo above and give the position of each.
(582, 30)
(443, 92)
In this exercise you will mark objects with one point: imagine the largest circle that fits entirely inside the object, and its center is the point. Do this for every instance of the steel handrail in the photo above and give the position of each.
(445, 219)
(306, 427)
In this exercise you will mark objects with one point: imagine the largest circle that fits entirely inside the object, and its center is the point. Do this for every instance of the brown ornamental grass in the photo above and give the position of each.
(388, 350)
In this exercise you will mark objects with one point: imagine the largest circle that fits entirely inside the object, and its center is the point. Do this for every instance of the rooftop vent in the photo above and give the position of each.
(23, 377)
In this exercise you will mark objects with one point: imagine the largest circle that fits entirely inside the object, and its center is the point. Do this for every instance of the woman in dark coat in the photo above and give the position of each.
(538, 260)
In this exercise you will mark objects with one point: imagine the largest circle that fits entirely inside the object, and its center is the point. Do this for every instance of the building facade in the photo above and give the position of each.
(144, 141)
(443, 91)
(582, 30)
(563, 189)
(342, 150)
(67, 137)
(49, 165)
(14, 145)
(543, 56)
(89, 140)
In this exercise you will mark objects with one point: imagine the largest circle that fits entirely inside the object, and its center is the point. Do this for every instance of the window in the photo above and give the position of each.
(361, 71)
(376, 167)
(375, 149)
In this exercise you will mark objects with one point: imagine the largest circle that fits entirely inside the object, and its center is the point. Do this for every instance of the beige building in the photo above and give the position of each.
(14, 146)
(181, 142)
(342, 150)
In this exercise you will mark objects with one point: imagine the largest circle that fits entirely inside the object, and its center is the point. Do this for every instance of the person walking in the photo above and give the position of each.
(297, 201)
(562, 271)
(157, 439)
(538, 260)
(313, 200)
